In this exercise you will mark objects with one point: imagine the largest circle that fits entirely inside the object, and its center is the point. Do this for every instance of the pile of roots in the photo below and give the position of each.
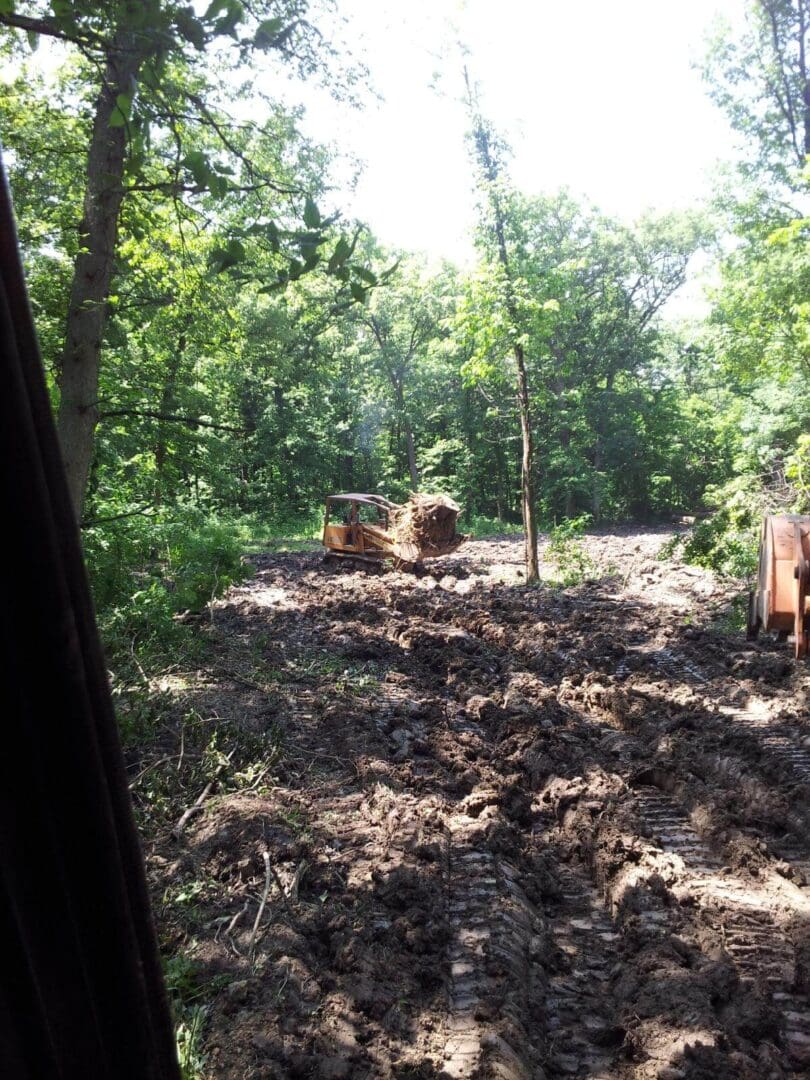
(427, 524)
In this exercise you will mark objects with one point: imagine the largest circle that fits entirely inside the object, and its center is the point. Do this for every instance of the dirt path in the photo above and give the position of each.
(511, 832)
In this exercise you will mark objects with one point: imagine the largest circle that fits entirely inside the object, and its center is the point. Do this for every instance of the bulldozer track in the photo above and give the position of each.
(583, 1033)
(489, 963)
(743, 918)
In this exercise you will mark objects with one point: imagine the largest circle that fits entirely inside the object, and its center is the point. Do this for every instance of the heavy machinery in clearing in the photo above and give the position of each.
(368, 529)
(779, 601)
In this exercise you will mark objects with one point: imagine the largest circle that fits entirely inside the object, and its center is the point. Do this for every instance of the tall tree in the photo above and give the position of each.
(151, 62)
(488, 156)
(403, 320)
(761, 79)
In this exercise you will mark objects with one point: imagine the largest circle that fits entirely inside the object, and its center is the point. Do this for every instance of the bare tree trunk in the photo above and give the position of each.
(411, 449)
(596, 493)
(490, 169)
(527, 468)
(803, 73)
(167, 403)
(87, 310)
(410, 446)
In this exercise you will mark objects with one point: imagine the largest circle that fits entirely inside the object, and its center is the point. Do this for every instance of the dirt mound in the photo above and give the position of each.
(427, 523)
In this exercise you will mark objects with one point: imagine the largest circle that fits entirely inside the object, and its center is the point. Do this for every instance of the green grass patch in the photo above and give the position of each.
(480, 527)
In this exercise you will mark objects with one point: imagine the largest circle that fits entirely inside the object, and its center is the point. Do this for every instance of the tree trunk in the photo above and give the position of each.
(410, 446)
(87, 310)
(803, 73)
(411, 449)
(527, 468)
(596, 494)
(490, 169)
(167, 403)
(570, 503)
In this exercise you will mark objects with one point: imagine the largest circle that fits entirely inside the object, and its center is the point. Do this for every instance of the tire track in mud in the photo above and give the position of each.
(762, 939)
(784, 754)
(752, 925)
(490, 978)
(560, 981)
(740, 918)
(489, 960)
(526, 983)
(583, 1035)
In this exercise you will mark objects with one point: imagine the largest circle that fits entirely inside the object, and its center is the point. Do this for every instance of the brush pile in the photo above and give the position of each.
(427, 524)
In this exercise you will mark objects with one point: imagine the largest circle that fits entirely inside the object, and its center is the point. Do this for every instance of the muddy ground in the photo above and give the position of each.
(462, 827)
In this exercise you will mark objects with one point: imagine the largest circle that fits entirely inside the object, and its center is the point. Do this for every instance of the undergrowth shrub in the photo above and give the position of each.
(298, 526)
(479, 526)
(188, 988)
(566, 553)
(728, 541)
(145, 570)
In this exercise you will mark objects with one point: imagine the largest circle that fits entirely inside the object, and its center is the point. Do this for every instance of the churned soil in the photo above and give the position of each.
(492, 830)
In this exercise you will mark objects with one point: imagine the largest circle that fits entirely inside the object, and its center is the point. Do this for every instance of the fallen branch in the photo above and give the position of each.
(236, 677)
(296, 881)
(142, 511)
(260, 912)
(187, 815)
(148, 769)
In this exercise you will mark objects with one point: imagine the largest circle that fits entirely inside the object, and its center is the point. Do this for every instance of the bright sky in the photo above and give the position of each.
(598, 96)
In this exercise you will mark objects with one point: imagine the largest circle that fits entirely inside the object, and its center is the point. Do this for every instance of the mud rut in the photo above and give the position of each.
(515, 833)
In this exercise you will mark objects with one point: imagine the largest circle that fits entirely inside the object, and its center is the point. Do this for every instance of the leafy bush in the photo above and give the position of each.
(728, 541)
(187, 987)
(797, 473)
(479, 526)
(566, 552)
(145, 570)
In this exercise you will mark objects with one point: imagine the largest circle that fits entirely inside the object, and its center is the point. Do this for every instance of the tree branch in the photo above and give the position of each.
(50, 28)
(153, 414)
(88, 523)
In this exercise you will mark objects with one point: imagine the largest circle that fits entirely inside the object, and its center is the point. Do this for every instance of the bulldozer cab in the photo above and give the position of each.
(351, 525)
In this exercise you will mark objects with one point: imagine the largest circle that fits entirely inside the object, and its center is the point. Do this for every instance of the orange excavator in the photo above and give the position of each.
(779, 601)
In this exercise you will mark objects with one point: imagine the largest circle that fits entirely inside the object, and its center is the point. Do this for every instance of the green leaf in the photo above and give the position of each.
(197, 164)
(120, 114)
(33, 40)
(389, 273)
(365, 274)
(223, 258)
(312, 215)
(358, 292)
(6, 7)
(190, 27)
(267, 32)
(61, 8)
(234, 13)
(218, 185)
(339, 255)
(214, 9)
(274, 286)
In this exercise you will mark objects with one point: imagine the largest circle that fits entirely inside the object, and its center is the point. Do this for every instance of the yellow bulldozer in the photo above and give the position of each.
(368, 529)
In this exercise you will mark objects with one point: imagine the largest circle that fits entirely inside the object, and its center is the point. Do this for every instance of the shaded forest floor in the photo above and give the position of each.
(461, 827)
